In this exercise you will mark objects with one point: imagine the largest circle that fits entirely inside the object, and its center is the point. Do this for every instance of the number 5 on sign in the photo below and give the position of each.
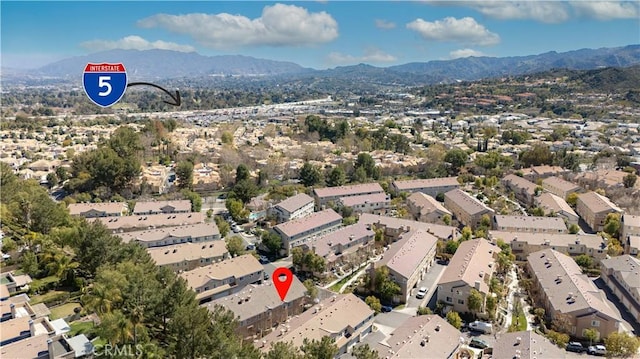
(104, 83)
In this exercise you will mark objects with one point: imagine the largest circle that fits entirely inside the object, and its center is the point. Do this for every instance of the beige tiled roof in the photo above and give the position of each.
(152, 220)
(520, 182)
(551, 202)
(555, 239)
(76, 209)
(12, 328)
(348, 190)
(364, 198)
(631, 220)
(439, 230)
(407, 185)
(151, 235)
(404, 255)
(559, 276)
(531, 222)
(156, 206)
(235, 267)
(597, 203)
(426, 203)
(525, 345)
(561, 184)
(472, 260)
(341, 236)
(440, 339)
(296, 202)
(629, 269)
(32, 347)
(471, 204)
(315, 220)
(177, 253)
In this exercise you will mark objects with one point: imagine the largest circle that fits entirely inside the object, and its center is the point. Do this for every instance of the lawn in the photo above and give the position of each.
(519, 320)
(80, 328)
(336, 287)
(64, 310)
(50, 296)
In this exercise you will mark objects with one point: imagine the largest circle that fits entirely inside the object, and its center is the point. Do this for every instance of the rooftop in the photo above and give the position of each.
(554, 239)
(364, 198)
(325, 244)
(157, 234)
(472, 260)
(561, 184)
(551, 202)
(520, 182)
(404, 255)
(597, 202)
(471, 204)
(439, 230)
(76, 209)
(628, 268)
(187, 252)
(533, 222)
(296, 202)
(525, 345)
(33, 347)
(231, 268)
(151, 220)
(630, 220)
(348, 190)
(426, 203)
(315, 220)
(426, 183)
(157, 206)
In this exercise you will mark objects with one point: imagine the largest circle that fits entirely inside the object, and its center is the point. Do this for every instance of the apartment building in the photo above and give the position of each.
(425, 208)
(471, 267)
(258, 307)
(523, 244)
(622, 275)
(408, 260)
(562, 290)
(467, 209)
(297, 231)
(630, 226)
(187, 256)
(535, 173)
(96, 210)
(224, 278)
(156, 207)
(554, 205)
(332, 194)
(425, 336)
(298, 206)
(348, 245)
(394, 228)
(430, 186)
(560, 187)
(150, 221)
(523, 189)
(345, 318)
(196, 233)
(594, 208)
(529, 224)
(525, 345)
(377, 203)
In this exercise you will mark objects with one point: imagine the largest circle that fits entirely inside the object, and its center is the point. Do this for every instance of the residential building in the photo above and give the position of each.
(408, 260)
(156, 207)
(150, 221)
(195, 233)
(331, 194)
(425, 208)
(377, 203)
(467, 209)
(523, 189)
(424, 336)
(95, 210)
(594, 208)
(15, 282)
(20, 328)
(345, 318)
(187, 256)
(622, 275)
(632, 245)
(535, 173)
(554, 205)
(471, 267)
(297, 231)
(531, 224)
(258, 307)
(430, 186)
(298, 206)
(224, 278)
(348, 245)
(394, 227)
(523, 244)
(525, 345)
(630, 226)
(560, 187)
(564, 292)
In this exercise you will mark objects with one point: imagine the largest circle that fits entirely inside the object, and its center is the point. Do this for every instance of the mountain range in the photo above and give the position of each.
(148, 65)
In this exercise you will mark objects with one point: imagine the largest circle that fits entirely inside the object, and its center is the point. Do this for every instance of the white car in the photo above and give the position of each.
(421, 292)
(597, 350)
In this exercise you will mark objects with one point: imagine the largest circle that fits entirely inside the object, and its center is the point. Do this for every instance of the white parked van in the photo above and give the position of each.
(479, 326)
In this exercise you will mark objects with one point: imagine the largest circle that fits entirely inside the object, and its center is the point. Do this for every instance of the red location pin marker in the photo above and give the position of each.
(282, 278)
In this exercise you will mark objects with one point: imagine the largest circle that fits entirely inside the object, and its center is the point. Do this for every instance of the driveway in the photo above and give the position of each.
(430, 281)
(627, 318)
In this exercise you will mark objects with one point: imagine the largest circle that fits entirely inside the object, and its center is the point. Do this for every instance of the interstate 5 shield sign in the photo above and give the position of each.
(104, 83)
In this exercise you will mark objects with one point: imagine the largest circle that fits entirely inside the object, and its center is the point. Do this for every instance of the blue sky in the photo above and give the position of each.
(317, 34)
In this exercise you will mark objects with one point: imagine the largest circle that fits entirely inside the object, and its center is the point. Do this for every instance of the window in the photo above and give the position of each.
(449, 300)
(460, 301)
(595, 323)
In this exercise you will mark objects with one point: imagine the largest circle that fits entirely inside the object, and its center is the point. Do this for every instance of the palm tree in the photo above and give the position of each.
(101, 298)
(62, 266)
(116, 328)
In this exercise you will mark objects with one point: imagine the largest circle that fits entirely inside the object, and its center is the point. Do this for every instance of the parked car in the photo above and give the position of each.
(421, 292)
(597, 350)
(575, 347)
(479, 326)
(267, 276)
(251, 247)
(263, 260)
(478, 343)
(386, 308)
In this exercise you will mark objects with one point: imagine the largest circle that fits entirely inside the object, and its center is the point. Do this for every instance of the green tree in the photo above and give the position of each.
(584, 261)
(492, 305)
(622, 345)
(242, 173)
(235, 246)
(244, 190)
(312, 290)
(373, 303)
(364, 352)
(446, 219)
(184, 175)
(591, 334)
(272, 241)
(475, 301)
(336, 177)
(454, 319)
(451, 247)
(196, 200)
(384, 285)
(574, 228)
(310, 175)
(324, 348)
(283, 350)
(62, 173)
(424, 311)
(629, 180)
(612, 224)
(236, 209)
(456, 158)
(467, 234)
(52, 179)
(539, 154)
(367, 162)
(227, 138)
(572, 199)
(559, 339)
(223, 226)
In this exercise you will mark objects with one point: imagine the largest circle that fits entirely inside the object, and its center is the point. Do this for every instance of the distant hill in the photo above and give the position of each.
(165, 64)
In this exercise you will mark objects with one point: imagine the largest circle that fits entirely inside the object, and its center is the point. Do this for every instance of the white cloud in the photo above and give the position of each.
(371, 55)
(456, 54)
(465, 30)
(607, 10)
(279, 25)
(134, 43)
(384, 24)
